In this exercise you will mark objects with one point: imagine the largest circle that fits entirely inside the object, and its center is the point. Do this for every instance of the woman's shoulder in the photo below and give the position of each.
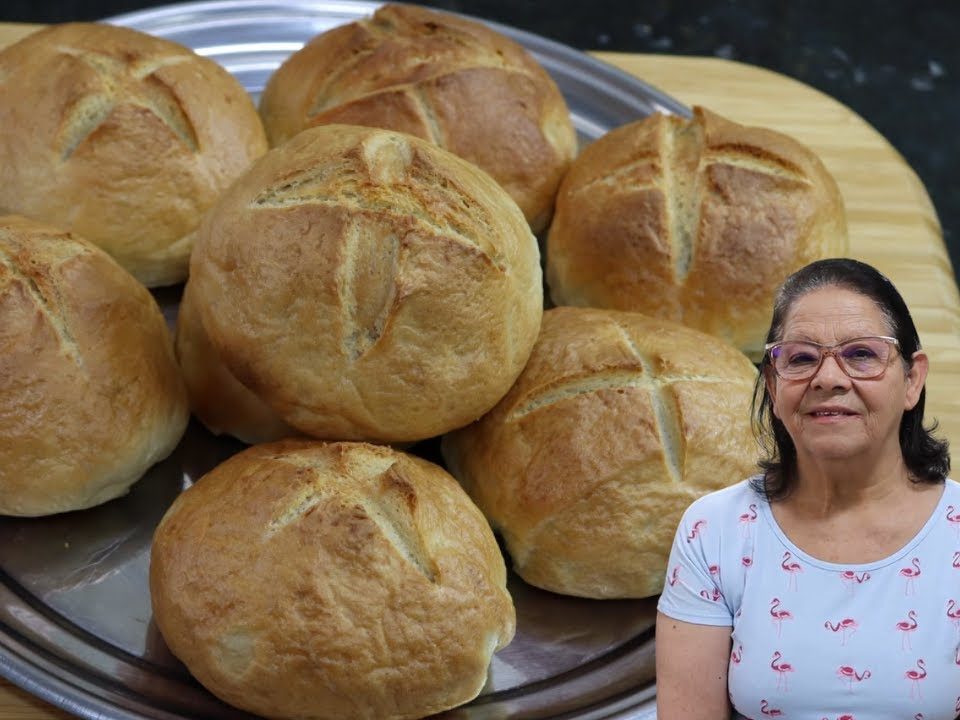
(740, 496)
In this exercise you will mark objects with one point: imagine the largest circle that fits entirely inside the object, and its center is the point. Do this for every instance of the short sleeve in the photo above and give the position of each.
(692, 591)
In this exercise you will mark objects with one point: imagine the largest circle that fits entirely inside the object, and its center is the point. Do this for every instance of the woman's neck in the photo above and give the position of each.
(855, 512)
(824, 487)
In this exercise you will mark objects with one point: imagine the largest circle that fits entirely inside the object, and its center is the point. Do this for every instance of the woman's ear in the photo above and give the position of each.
(916, 377)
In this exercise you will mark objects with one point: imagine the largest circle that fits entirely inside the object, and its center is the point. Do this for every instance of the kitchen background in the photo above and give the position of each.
(894, 62)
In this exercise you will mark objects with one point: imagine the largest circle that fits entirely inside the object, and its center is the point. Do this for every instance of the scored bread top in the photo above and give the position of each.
(368, 285)
(122, 137)
(334, 580)
(446, 79)
(90, 393)
(616, 424)
(697, 221)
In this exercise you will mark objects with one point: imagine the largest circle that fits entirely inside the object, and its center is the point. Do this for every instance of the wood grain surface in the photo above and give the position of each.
(891, 220)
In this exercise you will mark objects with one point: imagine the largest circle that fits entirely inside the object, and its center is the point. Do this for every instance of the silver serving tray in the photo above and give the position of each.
(75, 617)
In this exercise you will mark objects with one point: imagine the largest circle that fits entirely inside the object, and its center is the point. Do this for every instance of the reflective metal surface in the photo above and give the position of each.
(75, 619)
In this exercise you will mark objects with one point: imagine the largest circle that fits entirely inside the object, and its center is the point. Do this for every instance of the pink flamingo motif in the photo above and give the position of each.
(715, 571)
(954, 615)
(918, 716)
(695, 531)
(849, 674)
(956, 559)
(851, 579)
(845, 626)
(746, 561)
(792, 568)
(957, 706)
(845, 716)
(674, 576)
(956, 661)
(911, 574)
(781, 669)
(907, 627)
(769, 711)
(779, 615)
(953, 518)
(737, 655)
(915, 676)
(714, 594)
(748, 518)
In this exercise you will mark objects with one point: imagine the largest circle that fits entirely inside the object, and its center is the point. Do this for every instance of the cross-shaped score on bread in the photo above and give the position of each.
(133, 79)
(393, 205)
(377, 493)
(687, 171)
(644, 375)
(45, 297)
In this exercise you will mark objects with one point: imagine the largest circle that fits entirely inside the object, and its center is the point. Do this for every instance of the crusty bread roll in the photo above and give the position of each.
(446, 79)
(697, 221)
(303, 579)
(90, 392)
(123, 138)
(617, 423)
(367, 285)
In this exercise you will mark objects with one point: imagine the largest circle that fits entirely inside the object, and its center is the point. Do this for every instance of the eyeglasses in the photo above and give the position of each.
(860, 358)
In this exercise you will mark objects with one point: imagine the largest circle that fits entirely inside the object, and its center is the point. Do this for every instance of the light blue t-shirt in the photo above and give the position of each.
(815, 640)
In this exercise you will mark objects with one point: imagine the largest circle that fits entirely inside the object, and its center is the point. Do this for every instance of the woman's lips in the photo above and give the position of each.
(831, 414)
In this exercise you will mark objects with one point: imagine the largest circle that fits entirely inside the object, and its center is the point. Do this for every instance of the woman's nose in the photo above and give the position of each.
(830, 374)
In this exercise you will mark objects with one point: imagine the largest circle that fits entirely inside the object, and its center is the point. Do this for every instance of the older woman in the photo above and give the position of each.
(827, 586)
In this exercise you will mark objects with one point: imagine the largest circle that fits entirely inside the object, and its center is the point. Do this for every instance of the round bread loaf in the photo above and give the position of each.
(367, 285)
(444, 78)
(90, 392)
(302, 579)
(617, 423)
(123, 138)
(697, 221)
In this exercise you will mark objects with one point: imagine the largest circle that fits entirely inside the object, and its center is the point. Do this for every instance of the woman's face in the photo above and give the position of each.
(831, 416)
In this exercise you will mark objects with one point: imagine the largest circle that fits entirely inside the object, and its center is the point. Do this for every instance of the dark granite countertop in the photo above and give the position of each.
(894, 62)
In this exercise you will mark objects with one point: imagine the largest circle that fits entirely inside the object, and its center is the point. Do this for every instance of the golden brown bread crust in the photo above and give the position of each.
(695, 221)
(617, 423)
(90, 393)
(303, 579)
(365, 284)
(123, 138)
(446, 79)
(217, 398)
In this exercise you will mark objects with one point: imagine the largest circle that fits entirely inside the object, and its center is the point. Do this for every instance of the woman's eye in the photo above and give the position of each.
(802, 358)
(859, 352)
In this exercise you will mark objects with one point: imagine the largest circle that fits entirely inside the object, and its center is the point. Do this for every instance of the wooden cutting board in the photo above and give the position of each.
(891, 220)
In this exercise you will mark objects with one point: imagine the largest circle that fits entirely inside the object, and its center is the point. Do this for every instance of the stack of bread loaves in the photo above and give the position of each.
(123, 138)
(355, 283)
(443, 78)
(374, 279)
(90, 392)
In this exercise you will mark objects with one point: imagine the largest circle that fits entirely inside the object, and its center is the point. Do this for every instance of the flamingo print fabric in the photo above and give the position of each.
(818, 640)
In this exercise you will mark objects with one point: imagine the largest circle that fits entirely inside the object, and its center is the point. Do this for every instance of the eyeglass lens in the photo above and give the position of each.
(859, 358)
